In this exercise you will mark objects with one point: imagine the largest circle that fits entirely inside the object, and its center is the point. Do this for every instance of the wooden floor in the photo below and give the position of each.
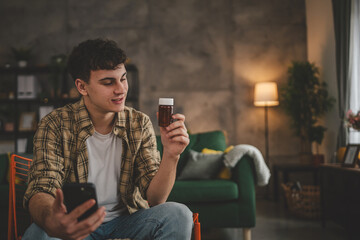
(274, 223)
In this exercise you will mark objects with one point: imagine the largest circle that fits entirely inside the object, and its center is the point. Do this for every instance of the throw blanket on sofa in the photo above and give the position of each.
(261, 169)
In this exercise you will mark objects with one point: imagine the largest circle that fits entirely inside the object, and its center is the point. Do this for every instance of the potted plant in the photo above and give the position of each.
(58, 70)
(352, 120)
(305, 99)
(22, 55)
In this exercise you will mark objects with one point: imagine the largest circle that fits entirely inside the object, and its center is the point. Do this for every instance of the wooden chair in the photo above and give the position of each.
(19, 168)
(18, 218)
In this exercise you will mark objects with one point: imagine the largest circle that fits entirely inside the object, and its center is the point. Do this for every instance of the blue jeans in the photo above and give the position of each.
(165, 221)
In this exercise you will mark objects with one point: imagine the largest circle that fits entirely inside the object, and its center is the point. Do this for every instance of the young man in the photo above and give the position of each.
(100, 140)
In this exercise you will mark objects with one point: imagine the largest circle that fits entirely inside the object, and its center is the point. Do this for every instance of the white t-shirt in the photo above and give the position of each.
(104, 171)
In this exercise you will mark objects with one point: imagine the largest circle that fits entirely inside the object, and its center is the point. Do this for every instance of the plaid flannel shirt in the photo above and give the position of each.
(60, 144)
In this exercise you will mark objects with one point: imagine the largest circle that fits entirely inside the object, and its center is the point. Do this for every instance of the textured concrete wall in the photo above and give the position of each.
(207, 54)
(321, 50)
(268, 36)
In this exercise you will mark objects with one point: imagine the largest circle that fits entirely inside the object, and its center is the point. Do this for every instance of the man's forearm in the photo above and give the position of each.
(40, 207)
(163, 182)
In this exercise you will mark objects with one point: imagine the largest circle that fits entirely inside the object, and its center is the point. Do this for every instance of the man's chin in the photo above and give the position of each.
(119, 108)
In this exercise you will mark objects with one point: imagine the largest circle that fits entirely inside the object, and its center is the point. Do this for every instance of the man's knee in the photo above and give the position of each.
(35, 232)
(178, 220)
(178, 209)
(180, 213)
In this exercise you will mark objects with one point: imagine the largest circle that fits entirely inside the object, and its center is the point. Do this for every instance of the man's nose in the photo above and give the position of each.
(119, 88)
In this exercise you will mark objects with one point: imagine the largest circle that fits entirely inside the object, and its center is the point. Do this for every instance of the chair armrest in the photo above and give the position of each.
(244, 172)
(244, 176)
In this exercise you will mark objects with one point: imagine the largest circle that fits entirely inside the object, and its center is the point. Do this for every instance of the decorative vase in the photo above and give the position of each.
(318, 159)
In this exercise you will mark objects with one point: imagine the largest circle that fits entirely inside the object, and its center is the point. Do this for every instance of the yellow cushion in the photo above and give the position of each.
(225, 173)
(340, 154)
(228, 149)
(210, 151)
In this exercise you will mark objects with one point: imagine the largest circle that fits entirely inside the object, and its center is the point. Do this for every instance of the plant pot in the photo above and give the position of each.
(318, 159)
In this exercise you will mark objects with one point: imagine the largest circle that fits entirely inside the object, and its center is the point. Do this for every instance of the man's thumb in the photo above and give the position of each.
(58, 204)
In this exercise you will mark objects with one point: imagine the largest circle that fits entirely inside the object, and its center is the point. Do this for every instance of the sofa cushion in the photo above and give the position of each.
(201, 166)
(203, 191)
(214, 140)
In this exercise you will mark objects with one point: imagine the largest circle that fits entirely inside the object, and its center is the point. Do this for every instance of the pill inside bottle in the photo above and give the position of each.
(166, 110)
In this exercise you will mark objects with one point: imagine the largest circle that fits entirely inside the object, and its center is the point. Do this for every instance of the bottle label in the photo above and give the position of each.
(165, 115)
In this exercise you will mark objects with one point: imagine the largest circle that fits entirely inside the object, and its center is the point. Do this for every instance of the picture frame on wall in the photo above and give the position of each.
(351, 156)
(27, 121)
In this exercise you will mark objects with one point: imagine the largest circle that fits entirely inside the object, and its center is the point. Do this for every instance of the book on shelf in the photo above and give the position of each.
(27, 87)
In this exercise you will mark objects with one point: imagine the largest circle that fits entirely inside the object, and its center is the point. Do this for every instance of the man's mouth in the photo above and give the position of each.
(118, 100)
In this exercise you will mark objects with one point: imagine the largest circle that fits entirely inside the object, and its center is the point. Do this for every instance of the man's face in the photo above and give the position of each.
(106, 91)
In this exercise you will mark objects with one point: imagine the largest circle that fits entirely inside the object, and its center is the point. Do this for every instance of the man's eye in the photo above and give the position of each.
(107, 83)
(123, 79)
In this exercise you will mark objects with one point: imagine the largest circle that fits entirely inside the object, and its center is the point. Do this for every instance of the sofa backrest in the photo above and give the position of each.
(213, 140)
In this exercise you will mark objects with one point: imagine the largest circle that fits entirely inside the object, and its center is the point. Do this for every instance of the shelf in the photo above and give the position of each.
(12, 109)
(48, 101)
(27, 70)
(17, 133)
(7, 136)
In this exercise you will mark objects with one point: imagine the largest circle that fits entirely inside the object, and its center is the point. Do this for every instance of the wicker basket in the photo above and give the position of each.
(304, 203)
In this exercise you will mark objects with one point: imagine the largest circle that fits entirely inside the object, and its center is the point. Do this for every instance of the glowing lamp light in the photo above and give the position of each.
(266, 94)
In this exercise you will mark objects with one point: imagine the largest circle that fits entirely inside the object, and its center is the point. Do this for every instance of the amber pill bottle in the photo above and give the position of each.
(166, 110)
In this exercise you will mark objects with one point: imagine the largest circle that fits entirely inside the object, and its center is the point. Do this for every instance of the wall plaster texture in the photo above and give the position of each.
(207, 54)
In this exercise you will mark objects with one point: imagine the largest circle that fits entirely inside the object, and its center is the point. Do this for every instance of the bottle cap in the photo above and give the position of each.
(166, 101)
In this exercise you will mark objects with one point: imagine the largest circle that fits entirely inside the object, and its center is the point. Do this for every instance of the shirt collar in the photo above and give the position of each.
(84, 120)
(120, 120)
(120, 123)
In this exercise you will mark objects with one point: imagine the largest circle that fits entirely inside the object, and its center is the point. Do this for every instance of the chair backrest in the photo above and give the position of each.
(19, 219)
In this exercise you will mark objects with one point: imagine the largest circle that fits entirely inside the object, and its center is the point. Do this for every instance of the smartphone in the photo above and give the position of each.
(77, 193)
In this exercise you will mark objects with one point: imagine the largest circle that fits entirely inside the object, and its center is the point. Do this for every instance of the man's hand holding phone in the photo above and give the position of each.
(65, 225)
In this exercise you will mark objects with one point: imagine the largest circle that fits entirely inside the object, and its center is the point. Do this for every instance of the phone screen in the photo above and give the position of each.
(77, 193)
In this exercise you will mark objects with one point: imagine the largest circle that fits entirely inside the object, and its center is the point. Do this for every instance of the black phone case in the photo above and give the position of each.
(77, 193)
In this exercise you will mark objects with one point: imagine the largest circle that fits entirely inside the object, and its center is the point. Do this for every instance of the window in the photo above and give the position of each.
(354, 67)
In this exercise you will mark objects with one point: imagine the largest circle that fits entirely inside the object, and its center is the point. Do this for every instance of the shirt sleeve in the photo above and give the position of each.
(47, 169)
(148, 158)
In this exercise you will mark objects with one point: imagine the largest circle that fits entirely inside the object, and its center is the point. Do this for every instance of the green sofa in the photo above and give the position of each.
(220, 203)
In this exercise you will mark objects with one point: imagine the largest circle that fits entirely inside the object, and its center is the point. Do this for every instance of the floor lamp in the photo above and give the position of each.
(266, 95)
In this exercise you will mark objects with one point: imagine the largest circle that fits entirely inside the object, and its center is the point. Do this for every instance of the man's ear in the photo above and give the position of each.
(81, 86)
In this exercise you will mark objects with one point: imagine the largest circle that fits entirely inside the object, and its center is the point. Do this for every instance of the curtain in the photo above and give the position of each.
(341, 12)
(354, 69)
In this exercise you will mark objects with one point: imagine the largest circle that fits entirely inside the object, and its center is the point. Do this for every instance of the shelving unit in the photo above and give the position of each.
(13, 108)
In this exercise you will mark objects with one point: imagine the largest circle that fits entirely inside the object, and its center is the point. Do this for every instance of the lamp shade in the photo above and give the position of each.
(266, 94)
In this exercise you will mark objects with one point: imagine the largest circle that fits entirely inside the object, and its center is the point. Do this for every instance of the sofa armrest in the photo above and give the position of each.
(244, 175)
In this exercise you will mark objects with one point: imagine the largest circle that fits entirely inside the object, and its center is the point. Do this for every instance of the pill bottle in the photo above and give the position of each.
(166, 110)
